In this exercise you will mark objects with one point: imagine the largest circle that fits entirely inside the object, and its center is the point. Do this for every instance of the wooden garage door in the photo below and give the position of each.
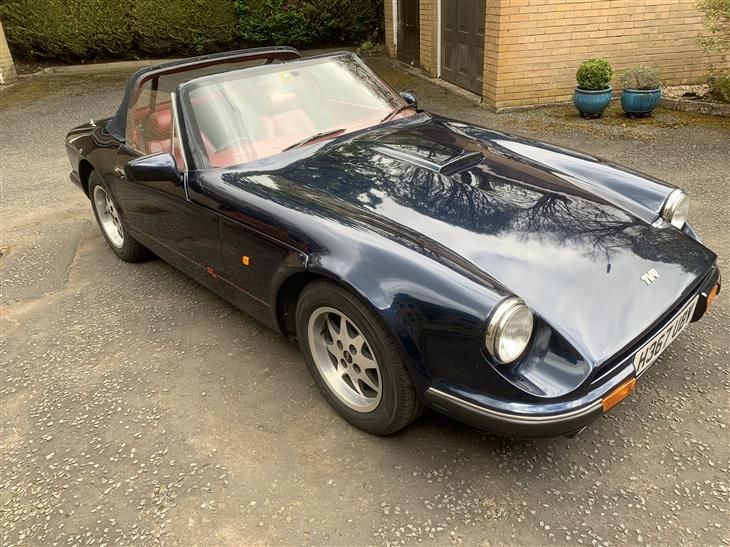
(409, 32)
(462, 43)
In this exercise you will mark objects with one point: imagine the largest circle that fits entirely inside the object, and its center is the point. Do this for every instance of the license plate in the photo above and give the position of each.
(651, 351)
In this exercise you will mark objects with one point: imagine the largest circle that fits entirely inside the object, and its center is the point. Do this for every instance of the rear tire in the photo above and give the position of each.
(354, 360)
(110, 222)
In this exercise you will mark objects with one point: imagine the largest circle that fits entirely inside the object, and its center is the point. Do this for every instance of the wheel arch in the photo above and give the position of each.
(287, 297)
(291, 288)
(85, 169)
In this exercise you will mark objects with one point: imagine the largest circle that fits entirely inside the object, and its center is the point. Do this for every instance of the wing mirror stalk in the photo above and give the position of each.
(155, 168)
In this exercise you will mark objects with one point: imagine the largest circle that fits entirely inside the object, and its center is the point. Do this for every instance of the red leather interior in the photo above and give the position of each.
(160, 122)
(286, 123)
(159, 128)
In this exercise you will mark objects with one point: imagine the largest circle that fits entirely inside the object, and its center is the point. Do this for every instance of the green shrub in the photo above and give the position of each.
(67, 29)
(366, 47)
(308, 22)
(641, 77)
(74, 30)
(344, 21)
(594, 74)
(720, 88)
(717, 26)
(272, 22)
(183, 27)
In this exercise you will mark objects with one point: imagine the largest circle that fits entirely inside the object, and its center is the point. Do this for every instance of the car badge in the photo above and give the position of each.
(650, 276)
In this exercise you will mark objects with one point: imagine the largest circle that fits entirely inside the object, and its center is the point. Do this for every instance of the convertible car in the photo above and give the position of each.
(419, 261)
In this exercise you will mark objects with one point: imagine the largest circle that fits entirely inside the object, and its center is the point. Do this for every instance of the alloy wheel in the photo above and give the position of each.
(106, 212)
(345, 359)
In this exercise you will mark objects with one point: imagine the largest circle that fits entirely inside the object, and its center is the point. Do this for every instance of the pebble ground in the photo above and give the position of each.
(137, 408)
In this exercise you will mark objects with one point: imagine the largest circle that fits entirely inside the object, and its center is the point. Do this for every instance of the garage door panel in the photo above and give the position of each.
(408, 49)
(462, 43)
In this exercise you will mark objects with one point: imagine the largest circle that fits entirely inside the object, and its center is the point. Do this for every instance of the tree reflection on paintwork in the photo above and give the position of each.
(489, 199)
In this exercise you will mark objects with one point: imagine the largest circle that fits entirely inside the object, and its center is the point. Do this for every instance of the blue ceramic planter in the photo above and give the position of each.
(591, 104)
(640, 102)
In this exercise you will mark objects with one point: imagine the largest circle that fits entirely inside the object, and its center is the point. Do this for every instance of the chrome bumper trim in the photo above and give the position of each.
(517, 418)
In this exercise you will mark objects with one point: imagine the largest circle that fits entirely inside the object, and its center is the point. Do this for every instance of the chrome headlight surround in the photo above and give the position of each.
(509, 330)
(676, 208)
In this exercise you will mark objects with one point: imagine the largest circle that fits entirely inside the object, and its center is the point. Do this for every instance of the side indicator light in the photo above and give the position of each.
(618, 394)
(711, 297)
(246, 260)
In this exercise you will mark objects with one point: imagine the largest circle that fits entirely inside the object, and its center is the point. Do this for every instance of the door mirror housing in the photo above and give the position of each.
(408, 96)
(155, 168)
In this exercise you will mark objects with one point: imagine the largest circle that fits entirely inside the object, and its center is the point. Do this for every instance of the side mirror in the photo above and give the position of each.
(155, 168)
(409, 97)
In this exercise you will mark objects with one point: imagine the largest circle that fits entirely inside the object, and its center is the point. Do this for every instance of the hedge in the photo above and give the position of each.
(309, 22)
(67, 29)
(184, 27)
(79, 30)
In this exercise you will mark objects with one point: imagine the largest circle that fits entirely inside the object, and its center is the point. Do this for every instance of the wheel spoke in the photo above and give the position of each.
(357, 342)
(343, 329)
(334, 336)
(344, 358)
(365, 362)
(354, 380)
(368, 382)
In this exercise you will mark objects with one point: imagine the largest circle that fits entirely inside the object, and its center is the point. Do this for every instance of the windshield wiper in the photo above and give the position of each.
(332, 132)
(396, 110)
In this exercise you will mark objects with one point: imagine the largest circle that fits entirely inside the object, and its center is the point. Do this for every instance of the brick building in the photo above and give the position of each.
(522, 52)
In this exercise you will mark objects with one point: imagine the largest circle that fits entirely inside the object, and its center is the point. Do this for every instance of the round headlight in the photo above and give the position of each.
(509, 330)
(676, 208)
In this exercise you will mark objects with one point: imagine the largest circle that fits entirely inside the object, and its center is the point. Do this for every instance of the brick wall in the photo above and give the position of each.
(7, 67)
(389, 30)
(538, 44)
(533, 47)
(428, 16)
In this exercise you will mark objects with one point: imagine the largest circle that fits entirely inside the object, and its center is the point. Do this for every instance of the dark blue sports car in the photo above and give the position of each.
(419, 261)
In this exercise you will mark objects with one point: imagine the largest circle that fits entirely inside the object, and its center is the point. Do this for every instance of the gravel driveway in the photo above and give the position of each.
(136, 407)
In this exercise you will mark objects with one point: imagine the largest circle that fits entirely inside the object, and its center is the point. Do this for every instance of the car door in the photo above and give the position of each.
(161, 215)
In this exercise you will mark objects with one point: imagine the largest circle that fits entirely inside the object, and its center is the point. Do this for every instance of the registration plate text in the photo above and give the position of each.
(651, 351)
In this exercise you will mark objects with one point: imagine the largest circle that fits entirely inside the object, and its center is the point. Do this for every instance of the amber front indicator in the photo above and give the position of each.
(711, 296)
(618, 394)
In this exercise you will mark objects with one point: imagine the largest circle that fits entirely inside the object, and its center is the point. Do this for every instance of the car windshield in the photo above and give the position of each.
(254, 113)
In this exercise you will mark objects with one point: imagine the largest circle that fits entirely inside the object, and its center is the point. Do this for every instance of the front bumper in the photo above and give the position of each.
(74, 177)
(554, 419)
(523, 425)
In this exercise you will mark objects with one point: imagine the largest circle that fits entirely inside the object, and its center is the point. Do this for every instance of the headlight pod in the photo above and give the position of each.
(509, 330)
(676, 208)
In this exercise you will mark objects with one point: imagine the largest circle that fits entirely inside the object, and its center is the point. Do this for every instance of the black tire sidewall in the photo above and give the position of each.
(388, 416)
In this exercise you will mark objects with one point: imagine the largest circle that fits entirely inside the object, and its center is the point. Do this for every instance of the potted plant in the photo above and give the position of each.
(641, 90)
(593, 92)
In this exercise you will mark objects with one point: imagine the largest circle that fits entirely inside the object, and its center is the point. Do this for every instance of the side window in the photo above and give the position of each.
(149, 120)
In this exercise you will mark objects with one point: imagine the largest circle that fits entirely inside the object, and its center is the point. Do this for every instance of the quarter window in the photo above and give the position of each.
(150, 121)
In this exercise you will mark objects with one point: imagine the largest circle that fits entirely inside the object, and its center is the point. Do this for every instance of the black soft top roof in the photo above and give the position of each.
(117, 125)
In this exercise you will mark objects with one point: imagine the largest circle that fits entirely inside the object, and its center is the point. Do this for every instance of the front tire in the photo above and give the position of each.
(110, 222)
(354, 360)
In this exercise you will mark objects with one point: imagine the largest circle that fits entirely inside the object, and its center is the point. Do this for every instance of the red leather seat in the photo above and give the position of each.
(159, 127)
(286, 118)
(160, 123)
